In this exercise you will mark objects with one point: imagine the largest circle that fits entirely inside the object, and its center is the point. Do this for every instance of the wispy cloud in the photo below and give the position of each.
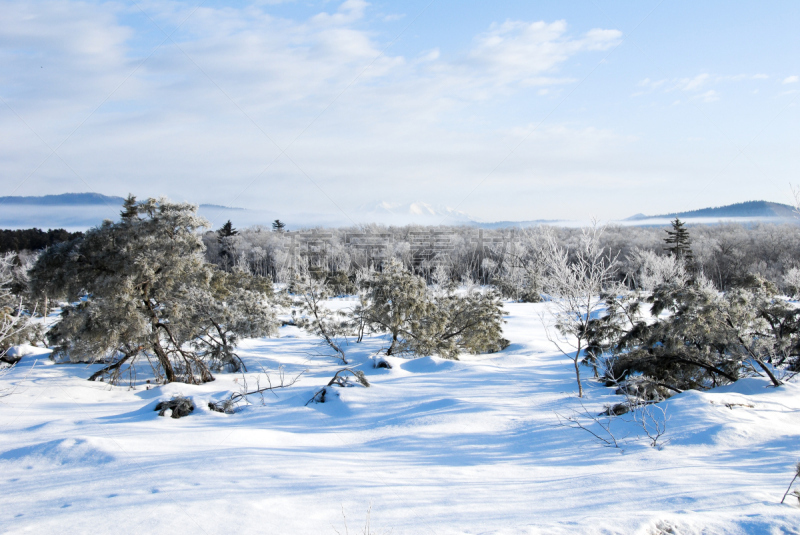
(699, 85)
(188, 119)
(520, 51)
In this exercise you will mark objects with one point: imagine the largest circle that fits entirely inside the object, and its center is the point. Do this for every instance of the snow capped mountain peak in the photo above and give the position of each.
(411, 212)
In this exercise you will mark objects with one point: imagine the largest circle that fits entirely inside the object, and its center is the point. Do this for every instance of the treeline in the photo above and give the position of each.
(33, 239)
(724, 253)
(158, 291)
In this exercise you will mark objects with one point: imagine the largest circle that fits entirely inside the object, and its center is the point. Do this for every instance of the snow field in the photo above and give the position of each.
(434, 446)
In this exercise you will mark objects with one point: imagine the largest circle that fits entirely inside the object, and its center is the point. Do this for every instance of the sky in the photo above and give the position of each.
(508, 110)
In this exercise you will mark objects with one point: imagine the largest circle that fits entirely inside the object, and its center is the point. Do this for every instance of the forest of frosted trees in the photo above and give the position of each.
(724, 252)
(646, 309)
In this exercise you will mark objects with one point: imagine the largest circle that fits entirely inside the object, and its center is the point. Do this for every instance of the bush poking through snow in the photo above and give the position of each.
(695, 337)
(423, 321)
(367, 529)
(320, 320)
(340, 379)
(796, 492)
(380, 362)
(263, 385)
(597, 426)
(179, 405)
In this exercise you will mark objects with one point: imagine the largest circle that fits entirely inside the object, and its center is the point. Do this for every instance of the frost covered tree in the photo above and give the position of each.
(310, 294)
(574, 284)
(705, 339)
(16, 326)
(422, 321)
(140, 287)
(469, 321)
(652, 270)
(397, 300)
(791, 281)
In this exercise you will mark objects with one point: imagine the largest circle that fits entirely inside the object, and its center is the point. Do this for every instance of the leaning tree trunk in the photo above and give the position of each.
(163, 359)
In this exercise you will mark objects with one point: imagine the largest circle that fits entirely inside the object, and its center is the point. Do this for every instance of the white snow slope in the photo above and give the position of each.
(433, 446)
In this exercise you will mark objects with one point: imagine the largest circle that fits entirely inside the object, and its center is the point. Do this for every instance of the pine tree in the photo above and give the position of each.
(678, 242)
(470, 322)
(226, 231)
(424, 322)
(397, 302)
(129, 210)
(278, 225)
(141, 287)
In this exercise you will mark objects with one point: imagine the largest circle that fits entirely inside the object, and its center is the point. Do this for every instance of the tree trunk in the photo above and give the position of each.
(163, 359)
(391, 347)
(108, 369)
(578, 369)
(775, 380)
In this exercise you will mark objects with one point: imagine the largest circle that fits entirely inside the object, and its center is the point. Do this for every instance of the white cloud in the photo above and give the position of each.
(791, 80)
(709, 96)
(518, 50)
(349, 11)
(427, 124)
(698, 85)
(693, 84)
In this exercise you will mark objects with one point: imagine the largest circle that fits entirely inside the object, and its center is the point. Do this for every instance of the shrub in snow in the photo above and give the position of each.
(263, 383)
(380, 362)
(697, 337)
(423, 321)
(468, 322)
(396, 302)
(141, 287)
(179, 405)
(342, 380)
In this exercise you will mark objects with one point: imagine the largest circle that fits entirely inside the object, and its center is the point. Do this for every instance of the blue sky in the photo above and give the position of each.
(504, 110)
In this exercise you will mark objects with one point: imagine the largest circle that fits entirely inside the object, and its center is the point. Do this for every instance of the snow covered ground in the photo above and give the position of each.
(433, 446)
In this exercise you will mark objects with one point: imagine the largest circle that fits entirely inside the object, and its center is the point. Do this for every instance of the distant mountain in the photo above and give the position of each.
(219, 207)
(517, 224)
(65, 199)
(81, 199)
(749, 209)
(405, 213)
(80, 211)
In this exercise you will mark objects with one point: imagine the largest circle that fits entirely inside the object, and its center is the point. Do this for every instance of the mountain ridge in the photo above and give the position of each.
(758, 209)
(81, 199)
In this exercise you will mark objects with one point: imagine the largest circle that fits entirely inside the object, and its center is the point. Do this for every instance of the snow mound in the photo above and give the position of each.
(25, 350)
(63, 452)
(427, 365)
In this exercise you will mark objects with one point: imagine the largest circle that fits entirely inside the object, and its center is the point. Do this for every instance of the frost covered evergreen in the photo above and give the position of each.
(695, 337)
(140, 289)
(423, 321)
